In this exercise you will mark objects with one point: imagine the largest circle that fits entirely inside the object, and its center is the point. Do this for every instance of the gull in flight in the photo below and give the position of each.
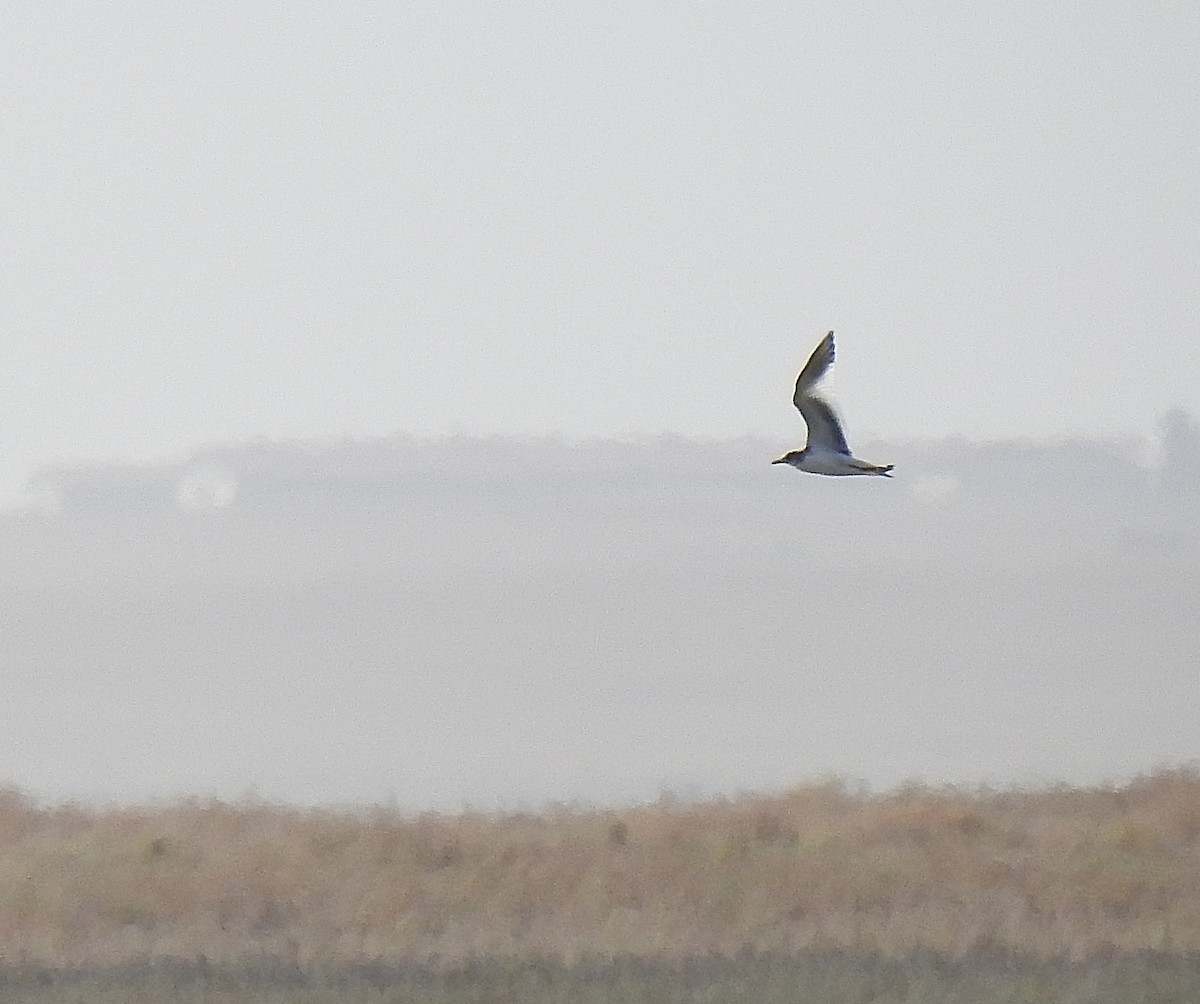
(826, 451)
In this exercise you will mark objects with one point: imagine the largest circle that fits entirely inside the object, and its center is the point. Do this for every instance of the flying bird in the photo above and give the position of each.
(826, 451)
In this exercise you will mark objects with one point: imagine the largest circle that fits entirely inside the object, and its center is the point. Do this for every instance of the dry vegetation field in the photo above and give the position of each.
(816, 894)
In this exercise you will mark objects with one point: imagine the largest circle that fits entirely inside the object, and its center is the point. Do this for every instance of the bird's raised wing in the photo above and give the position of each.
(814, 369)
(824, 429)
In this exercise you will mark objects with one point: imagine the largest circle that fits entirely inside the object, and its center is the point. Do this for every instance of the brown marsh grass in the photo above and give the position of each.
(1068, 874)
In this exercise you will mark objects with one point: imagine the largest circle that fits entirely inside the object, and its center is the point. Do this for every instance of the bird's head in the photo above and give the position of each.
(789, 458)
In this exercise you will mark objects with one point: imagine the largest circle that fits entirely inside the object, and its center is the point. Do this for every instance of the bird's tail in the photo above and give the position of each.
(865, 467)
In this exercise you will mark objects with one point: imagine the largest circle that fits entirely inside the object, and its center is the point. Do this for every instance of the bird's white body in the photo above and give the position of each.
(833, 464)
(826, 451)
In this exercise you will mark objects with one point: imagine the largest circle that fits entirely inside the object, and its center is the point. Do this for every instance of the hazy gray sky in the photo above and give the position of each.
(241, 220)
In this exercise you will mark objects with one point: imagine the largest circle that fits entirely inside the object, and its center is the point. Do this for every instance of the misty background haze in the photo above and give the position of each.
(505, 621)
(389, 397)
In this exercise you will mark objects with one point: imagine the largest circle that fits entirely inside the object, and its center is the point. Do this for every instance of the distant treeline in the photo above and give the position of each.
(404, 467)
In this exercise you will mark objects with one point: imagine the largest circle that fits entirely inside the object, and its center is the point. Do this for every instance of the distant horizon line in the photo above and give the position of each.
(214, 475)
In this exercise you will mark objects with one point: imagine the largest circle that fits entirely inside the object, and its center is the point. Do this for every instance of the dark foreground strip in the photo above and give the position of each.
(819, 978)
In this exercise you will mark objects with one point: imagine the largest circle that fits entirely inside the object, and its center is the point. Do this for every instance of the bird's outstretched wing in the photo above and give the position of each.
(814, 369)
(824, 429)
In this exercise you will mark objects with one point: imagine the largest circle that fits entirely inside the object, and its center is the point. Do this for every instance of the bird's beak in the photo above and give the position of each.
(781, 460)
